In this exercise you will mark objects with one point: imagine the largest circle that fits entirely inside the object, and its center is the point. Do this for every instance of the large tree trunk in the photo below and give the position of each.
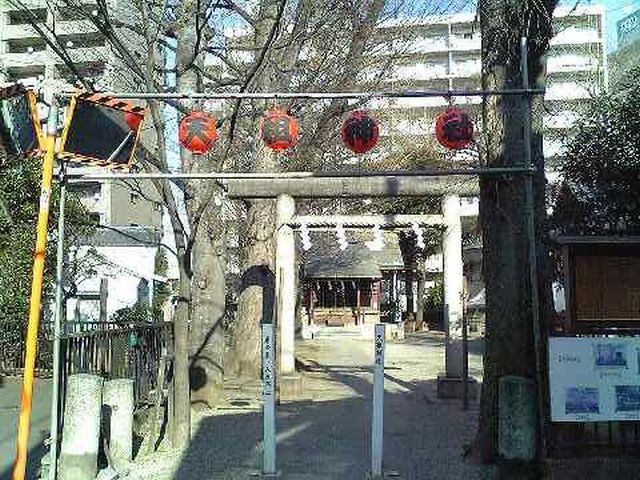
(206, 367)
(509, 340)
(257, 289)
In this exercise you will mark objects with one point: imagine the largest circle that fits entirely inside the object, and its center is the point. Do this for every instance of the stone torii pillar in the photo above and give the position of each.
(450, 385)
(453, 284)
(286, 282)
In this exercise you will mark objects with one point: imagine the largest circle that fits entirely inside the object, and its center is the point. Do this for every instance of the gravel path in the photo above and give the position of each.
(325, 434)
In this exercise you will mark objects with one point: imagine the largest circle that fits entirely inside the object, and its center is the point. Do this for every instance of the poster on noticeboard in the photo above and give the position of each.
(594, 379)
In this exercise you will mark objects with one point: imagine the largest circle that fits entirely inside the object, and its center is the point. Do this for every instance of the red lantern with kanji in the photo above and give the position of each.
(360, 131)
(454, 128)
(197, 131)
(278, 129)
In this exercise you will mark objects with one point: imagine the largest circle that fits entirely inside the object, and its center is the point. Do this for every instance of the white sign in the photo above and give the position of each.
(269, 401)
(594, 379)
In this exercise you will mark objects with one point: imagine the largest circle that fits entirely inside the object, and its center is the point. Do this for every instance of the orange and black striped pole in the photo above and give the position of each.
(20, 464)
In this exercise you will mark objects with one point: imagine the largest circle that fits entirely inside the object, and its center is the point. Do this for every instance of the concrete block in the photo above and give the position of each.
(290, 387)
(81, 430)
(452, 387)
(118, 395)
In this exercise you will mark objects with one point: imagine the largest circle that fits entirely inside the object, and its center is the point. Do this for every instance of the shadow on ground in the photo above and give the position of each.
(9, 410)
(331, 439)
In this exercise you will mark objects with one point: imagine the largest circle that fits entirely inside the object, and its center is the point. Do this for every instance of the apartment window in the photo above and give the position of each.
(18, 17)
(28, 45)
(87, 40)
(68, 14)
(18, 73)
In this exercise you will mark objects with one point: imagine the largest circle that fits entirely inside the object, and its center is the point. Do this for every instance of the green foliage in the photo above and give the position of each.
(19, 195)
(434, 297)
(135, 314)
(601, 169)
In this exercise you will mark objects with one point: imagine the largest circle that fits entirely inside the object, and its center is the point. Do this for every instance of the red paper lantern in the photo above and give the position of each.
(197, 132)
(454, 128)
(133, 120)
(278, 129)
(360, 131)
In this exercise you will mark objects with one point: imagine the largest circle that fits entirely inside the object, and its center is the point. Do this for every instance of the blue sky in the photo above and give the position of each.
(617, 10)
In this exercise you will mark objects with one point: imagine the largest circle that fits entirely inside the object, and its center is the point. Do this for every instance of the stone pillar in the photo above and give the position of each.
(420, 301)
(81, 430)
(453, 285)
(517, 422)
(118, 395)
(286, 282)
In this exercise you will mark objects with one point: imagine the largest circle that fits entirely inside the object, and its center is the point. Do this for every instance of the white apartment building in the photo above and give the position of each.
(26, 56)
(445, 53)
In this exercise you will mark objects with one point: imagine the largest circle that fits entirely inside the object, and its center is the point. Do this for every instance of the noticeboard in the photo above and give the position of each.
(594, 379)
(101, 131)
(20, 130)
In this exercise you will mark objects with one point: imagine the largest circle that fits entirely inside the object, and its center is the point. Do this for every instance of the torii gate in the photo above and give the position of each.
(286, 277)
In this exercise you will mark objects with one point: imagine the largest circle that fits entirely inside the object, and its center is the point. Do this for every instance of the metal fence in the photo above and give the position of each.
(108, 349)
(117, 351)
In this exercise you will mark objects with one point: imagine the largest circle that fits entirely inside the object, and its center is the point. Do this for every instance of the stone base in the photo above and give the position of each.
(289, 387)
(452, 387)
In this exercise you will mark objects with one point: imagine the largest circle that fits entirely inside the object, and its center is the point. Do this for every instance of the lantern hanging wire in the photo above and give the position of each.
(316, 95)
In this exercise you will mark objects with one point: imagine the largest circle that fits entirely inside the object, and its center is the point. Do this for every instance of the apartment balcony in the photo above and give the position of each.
(420, 72)
(576, 36)
(572, 63)
(560, 120)
(568, 91)
(466, 70)
(462, 43)
(79, 55)
(24, 31)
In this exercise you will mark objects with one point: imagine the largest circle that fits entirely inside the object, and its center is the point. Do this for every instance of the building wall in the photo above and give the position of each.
(123, 277)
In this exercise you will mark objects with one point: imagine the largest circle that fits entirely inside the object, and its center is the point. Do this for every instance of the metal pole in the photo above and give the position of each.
(80, 178)
(57, 329)
(35, 303)
(465, 358)
(377, 418)
(427, 93)
(531, 237)
(269, 400)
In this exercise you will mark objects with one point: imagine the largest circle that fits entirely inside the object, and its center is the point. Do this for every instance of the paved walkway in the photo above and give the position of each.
(10, 389)
(325, 434)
